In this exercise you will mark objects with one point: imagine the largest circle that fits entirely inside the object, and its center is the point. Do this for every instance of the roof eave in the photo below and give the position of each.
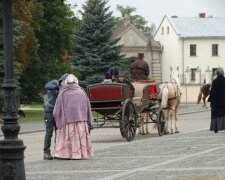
(202, 37)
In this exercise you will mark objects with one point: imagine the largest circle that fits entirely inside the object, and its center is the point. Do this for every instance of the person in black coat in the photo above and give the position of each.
(217, 99)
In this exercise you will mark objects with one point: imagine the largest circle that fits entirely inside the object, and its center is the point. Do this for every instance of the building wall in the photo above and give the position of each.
(189, 93)
(131, 38)
(156, 66)
(171, 46)
(204, 57)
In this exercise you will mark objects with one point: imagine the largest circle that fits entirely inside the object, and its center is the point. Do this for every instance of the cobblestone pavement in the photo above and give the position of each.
(195, 153)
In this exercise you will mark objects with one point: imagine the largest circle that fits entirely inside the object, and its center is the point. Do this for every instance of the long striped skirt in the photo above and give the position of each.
(73, 142)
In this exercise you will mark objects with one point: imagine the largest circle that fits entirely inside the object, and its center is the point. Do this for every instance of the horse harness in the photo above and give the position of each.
(176, 90)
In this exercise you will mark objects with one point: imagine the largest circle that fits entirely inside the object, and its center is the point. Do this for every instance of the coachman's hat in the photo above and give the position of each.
(121, 74)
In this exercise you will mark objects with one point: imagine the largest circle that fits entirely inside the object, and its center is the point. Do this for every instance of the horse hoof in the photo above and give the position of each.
(167, 132)
(177, 131)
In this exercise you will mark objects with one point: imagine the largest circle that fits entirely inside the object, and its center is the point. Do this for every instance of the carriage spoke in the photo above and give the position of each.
(132, 130)
(127, 130)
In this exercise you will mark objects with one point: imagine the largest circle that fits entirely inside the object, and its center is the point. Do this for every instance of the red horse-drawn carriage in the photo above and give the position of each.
(115, 107)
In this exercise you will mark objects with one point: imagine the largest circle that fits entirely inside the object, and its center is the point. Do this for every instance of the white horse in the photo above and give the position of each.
(170, 96)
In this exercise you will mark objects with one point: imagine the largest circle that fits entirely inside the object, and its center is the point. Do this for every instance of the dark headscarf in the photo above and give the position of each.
(220, 71)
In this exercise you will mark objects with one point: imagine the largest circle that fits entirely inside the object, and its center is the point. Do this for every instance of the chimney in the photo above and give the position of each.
(174, 16)
(201, 15)
(126, 18)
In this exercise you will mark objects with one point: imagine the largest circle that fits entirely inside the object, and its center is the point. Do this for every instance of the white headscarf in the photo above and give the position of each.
(71, 79)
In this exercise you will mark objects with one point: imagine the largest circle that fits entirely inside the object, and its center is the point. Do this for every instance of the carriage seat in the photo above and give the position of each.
(139, 86)
(145, 90)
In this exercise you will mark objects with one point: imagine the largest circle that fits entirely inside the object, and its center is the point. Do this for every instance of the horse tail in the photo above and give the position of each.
(164, 101)
(199, 96)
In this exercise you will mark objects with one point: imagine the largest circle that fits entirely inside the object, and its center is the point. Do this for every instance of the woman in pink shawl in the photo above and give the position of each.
(72, 115)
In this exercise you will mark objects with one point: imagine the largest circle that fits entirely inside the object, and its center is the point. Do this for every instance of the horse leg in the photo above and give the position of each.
(168, 123)
(176, 129)
(141, 124)
(176, 116)
(141, 129)
(204, 103)
(173, 122)
(146, 122)
(199, 96)
(140, 121)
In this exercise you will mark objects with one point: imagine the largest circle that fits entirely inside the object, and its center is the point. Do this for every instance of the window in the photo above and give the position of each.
(162, 30)
(193, 70)
(214, 49)
(168, 30)
(193, 50)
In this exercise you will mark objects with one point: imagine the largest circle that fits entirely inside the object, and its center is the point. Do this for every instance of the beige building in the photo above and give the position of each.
(195, 44)
(135, 41)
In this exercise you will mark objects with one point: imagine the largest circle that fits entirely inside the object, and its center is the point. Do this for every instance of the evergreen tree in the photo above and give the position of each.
(95, 49)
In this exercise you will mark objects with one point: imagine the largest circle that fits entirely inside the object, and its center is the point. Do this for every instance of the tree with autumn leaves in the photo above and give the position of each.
(43, 37)
(55, 33)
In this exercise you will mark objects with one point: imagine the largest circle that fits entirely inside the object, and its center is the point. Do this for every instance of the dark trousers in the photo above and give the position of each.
(49, 123)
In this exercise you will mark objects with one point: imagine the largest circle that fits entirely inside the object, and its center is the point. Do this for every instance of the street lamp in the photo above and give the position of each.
(11, 148)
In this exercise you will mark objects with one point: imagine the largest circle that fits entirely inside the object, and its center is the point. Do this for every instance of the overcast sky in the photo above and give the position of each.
(154, 10)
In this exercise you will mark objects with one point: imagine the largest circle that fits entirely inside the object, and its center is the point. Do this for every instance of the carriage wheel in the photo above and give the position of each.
(160, 122)
(121, 129)
(129, 120)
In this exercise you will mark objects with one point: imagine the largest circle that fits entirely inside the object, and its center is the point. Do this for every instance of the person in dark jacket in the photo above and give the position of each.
(217, 99)
(51, 89)
(139, 68)
(122, 79)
